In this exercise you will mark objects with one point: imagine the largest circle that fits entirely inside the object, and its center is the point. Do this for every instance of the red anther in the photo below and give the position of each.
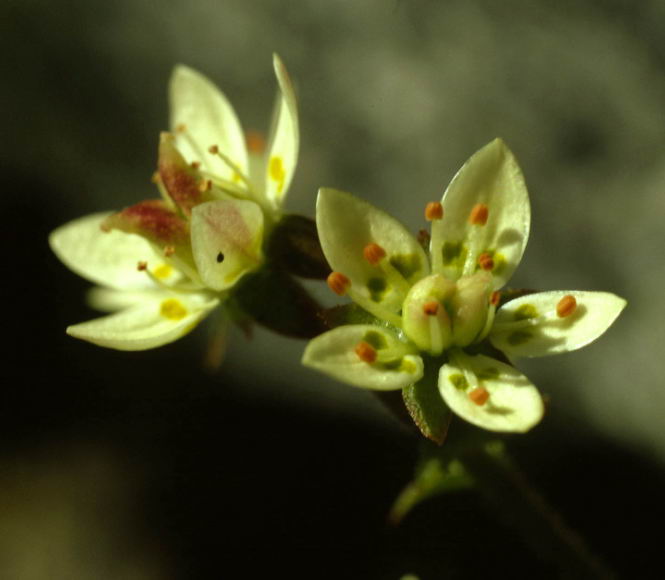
(374, 253)
(485, 261)
(431, 308)
(495, 297)
(433, 211)
(142, 266)
(366, 352)
(566, 306)
(338, 283)
(169, 251)
(214, 149)
(479, 214)
(479, 396)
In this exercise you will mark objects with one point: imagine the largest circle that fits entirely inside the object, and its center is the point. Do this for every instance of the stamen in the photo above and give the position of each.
(566, 306)
(373, 253)
(238, 174)
(431, 308)
(485, 261)
(214, 149)
(424, 239)
(205, 185)
(495, 297)
(338, 283)
(433, 211)
(142, 266)
(169, 251)
(479, 396)
(195, 165)
(366, 352)
(479, 214)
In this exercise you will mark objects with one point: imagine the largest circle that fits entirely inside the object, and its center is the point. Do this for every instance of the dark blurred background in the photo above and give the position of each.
(142, 466)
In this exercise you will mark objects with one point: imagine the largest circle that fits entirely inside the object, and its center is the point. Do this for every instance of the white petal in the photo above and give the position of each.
(208, 119)
(226, 240)
(106, 258)
(154, 322)
(333, 353)
(282, 151)
(111, 300)
(514, 404)
(493, 178)
(347, 224)
(529, 326)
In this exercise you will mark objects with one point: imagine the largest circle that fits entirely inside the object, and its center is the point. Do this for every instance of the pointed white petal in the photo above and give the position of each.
(514, 404)
(333, 353)
(490, 177)
(530, 326)
(282, 151)
(207, 117)
(226, 240)
(106, 258)
(346, 225)
(162, 319)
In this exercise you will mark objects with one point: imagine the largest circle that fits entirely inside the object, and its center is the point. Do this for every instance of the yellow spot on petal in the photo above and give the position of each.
(276, 172)
(173, 309)
(162, 272)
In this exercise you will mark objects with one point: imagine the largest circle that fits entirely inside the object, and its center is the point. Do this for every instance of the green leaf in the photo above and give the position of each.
(278, 302)
(425, 405)
(294, 247)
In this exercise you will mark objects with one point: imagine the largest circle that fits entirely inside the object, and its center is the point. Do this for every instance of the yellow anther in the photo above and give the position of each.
(366, 352)
(173, 309)
(479, 396)
(566, 306)
(495, 297)
(169, 251)
(256, 142)
(433, 211)
(205, 185)
(373, 253)
(485, 261)
(431, 308)
(181, 128)
(214, 149)
(142, 266)
(338, 283)
(479, 214)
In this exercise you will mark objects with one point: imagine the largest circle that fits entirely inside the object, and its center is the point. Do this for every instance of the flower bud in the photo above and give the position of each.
(469, 307)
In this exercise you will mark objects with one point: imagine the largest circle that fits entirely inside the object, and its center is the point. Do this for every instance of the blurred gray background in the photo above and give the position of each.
(394, 95)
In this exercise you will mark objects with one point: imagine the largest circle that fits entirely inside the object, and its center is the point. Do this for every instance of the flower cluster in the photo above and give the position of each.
(446, 310)
(164, 264)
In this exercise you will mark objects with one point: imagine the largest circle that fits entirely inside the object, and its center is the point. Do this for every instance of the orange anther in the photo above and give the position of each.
(366, 352)
(479, 396)
(256, 142)
(213, 149)
(485, 261)
(495, 297)
(433, 211)
(169, 251)
(338, 283)
(566, 306)
(142, 266)
(479, 214)
(195, 164)
(431, 308)
(374, 253)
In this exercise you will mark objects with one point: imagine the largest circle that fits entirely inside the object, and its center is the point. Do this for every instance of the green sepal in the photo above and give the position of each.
(349, 314)
(437, 472)
(278, 302)
(294, 246)
(425, 405)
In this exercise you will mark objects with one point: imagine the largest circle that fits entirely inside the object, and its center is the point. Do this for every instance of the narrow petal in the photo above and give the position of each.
(347, 225)
(201, 116)
(489, 183)
(226, 241)
(154, 322)
(533, 325)
(512, 403)
(335, 354)
(282, 152)
(106, 258)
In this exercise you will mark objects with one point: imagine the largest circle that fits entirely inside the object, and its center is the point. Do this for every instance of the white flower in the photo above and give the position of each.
(441, 311)
(164, 264)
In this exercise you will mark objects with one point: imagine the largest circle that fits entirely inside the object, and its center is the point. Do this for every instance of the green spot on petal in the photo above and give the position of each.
(519, 337)
(377, 288)
(458, 381)
(406, 264)
(375, 339)
(525, 311)
(401, 365)
(454, 254)
(488, 374)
